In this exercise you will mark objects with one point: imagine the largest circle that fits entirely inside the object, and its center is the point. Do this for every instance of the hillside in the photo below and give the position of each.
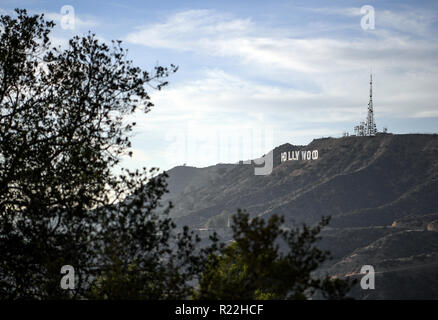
(381, 192)
(383, 178)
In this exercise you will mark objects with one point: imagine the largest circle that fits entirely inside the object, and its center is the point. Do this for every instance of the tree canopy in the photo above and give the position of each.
(63, 130)
(267, 261)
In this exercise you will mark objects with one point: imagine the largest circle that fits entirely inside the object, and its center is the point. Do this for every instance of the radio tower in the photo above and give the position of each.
(370, 125)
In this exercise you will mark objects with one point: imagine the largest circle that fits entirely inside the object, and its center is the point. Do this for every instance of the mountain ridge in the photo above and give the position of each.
(370, 186)
(239, 187)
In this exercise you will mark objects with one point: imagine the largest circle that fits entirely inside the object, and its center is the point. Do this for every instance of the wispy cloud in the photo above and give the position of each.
(323, 79)
(210, 33)
(343, 11)
(300, 70)
(190, 30)
(80, 23)
(410, 19)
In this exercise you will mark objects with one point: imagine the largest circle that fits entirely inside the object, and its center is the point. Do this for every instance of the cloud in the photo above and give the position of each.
(413, 20)
(207, 121)
(406, 68)
(190, 30)
(220, 98)
(313, 60)
(138, 156)
(342, 11)
(301, 84)
(409, 19)
(203, 121)
(210, 33)
(80, 23)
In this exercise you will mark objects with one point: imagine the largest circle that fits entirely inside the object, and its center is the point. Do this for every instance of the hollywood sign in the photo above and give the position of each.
(299, 155)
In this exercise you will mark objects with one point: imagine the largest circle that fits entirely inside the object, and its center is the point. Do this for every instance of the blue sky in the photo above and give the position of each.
(257, 74)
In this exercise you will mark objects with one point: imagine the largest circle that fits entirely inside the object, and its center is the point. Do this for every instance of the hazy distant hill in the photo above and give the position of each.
(183, 182)
(382, 193)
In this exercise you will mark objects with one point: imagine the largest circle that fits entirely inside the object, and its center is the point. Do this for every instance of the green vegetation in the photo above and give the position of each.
(62, 133)
(255, 267)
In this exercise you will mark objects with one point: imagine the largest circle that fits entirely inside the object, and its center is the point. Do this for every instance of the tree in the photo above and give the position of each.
(266, 261)
(144, 258)
(62, 132)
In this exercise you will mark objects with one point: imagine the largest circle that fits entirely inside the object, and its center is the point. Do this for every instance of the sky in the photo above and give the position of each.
(257, 74)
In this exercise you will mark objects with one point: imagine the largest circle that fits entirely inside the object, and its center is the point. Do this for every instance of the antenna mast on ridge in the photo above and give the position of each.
(368, 128)
(370, 125)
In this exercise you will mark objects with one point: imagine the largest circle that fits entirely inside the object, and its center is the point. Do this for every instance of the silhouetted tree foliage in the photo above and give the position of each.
(62, 131)
(145, 259)
(266, 261)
